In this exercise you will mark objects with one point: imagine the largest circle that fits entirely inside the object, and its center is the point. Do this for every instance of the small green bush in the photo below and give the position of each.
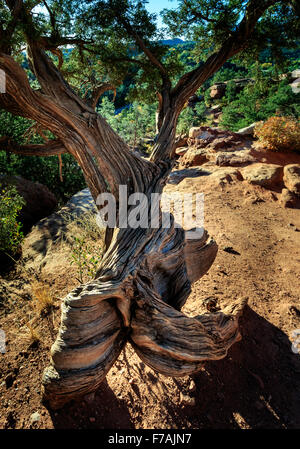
(11, 235)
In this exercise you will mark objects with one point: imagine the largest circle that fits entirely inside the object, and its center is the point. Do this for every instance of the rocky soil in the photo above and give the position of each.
(258, 384)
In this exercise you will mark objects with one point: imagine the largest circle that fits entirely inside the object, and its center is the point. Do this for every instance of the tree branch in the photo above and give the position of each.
(51, 148)
(191, 81)
(96, 94)
(141, 44)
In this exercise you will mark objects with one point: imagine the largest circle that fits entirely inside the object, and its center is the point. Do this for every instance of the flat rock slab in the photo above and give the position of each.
(179, 175)
(49, 230)
(235, 159)
(291, 178)
(265, 175)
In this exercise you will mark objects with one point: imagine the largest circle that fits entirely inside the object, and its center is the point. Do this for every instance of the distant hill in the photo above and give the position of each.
(172, 42)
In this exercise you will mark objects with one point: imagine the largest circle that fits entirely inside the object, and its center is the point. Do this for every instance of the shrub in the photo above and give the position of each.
(44, 170)
(87, 249)
(191, 117)
(279, 134)
(259, 102)
(10, 229)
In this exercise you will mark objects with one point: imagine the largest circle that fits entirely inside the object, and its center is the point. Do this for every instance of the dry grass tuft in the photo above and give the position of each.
(33, 337)
(43, 300)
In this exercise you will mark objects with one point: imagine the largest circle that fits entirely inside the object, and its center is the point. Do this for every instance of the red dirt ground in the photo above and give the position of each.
(256, 386)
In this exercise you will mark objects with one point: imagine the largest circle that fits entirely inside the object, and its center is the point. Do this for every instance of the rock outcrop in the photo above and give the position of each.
(265, 175)
(291, 178)
(40, 202)
(289, 199)
(218, 90)
(52, 229)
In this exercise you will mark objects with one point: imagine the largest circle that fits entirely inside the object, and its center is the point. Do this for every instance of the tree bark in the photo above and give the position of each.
(146, 275)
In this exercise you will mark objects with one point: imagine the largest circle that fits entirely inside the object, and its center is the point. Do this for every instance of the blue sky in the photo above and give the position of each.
(155, 6)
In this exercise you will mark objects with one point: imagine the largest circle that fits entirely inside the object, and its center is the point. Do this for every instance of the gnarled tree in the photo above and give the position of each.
(146, 274)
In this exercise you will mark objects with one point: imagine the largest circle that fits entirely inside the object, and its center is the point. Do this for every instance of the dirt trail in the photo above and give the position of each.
(256, 386)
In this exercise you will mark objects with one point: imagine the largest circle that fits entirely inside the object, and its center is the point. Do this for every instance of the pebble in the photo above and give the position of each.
(187, 400)
(192, 386)
(35, 418)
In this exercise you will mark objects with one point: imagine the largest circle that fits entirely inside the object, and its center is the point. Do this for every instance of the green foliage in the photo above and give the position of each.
(230, 72)
(191, 117)
(82, 256)
(132, 123)
(38, 169)
(11, 235)
(258, 102)
(86, 250)
(211, 22)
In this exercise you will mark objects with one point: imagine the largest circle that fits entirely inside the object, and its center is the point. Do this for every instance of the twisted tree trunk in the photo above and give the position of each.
(146, 274)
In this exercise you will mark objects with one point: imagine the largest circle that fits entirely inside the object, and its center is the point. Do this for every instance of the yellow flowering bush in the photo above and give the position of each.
(279, 134)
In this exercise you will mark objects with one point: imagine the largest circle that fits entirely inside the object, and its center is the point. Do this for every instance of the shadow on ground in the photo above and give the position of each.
(256, 386)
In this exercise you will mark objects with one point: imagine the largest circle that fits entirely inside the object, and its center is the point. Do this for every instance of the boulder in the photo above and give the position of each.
(288, 199)
(177, 176)
(295, 74)
(201, 132)
(235, 159)
(52, 229)
(194, 157)
(291, 178)
(248, 130)
(295, 86)
(265, 175)
(225, 142)
(40, 202)
(218, 91)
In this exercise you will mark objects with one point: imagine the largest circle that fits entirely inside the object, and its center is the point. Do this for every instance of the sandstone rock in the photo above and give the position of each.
(201, 132)
(295, 74)
(288, 199)
(295, 86)
(225, 175)
(181, 151)
(265, 175)
(248, 130)
(291, 178)
(225, 142)
(35, 418)
(40, 202)
(179, 175)
(51, 229)
(216, 109)
(218, 91)
(194, 157)
(235, 159)
(187, 400)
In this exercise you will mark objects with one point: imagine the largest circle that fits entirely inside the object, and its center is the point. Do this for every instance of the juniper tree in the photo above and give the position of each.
(76, 51)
